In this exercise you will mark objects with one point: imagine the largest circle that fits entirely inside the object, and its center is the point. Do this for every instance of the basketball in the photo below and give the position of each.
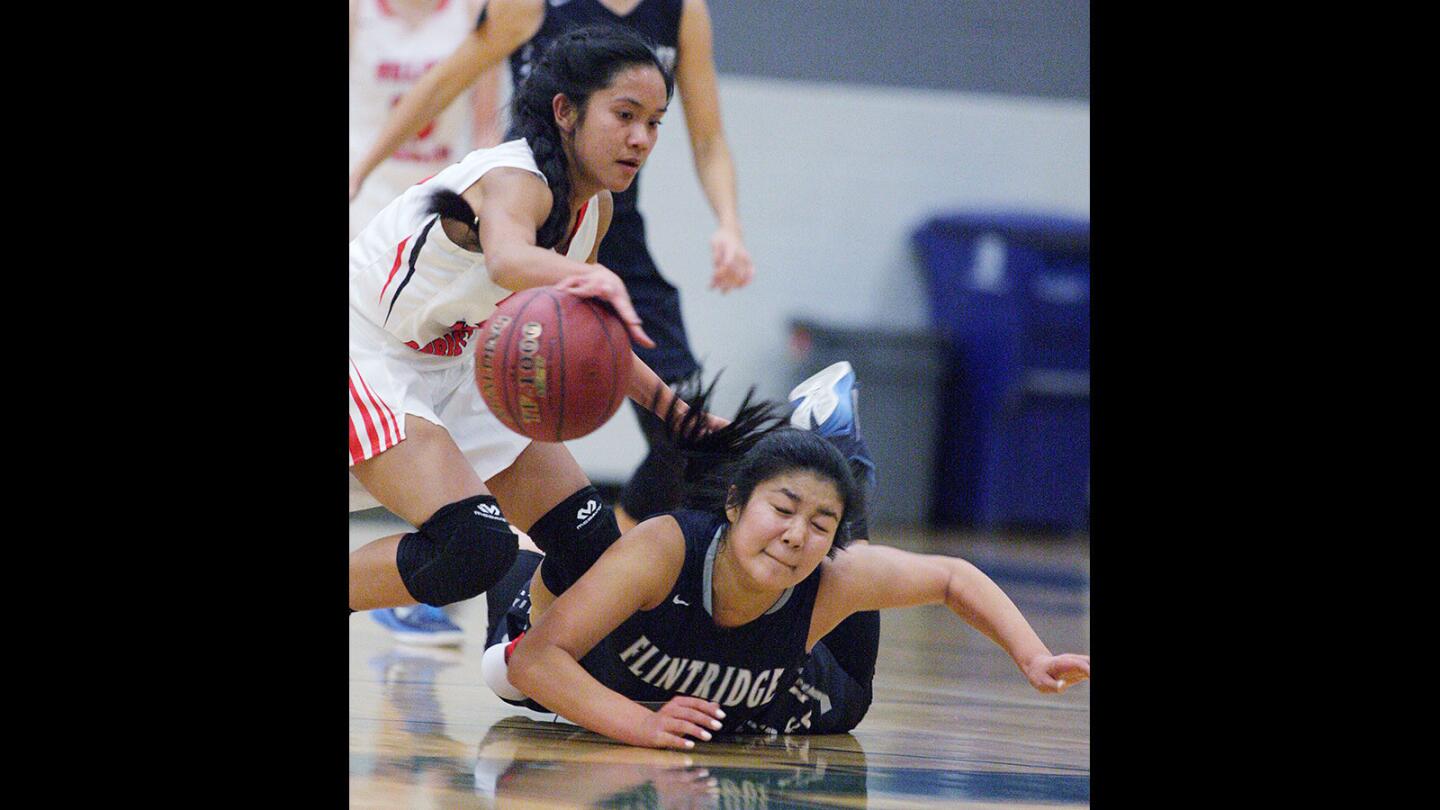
(553, 366)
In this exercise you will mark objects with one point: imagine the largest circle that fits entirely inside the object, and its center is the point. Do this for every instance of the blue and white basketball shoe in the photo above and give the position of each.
(828, 403)
(422, 624)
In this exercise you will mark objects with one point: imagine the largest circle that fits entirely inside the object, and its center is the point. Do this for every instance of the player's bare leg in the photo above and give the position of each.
(542, 476)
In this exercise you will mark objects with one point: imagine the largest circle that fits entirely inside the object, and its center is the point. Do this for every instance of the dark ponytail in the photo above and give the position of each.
(576, 64)
(450, 205)
(723, 467)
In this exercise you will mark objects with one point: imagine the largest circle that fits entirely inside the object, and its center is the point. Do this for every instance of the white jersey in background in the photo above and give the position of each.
(394, 43)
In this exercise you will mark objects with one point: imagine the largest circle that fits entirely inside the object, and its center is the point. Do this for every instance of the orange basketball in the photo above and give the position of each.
(553, 366)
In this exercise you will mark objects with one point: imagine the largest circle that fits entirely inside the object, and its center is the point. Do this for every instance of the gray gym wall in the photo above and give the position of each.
(1024, 48)
(851, 123)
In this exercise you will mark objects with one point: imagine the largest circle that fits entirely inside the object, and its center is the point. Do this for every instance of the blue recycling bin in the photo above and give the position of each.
(1010, 294)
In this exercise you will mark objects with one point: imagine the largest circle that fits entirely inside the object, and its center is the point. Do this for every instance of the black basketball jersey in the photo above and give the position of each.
(678, 649)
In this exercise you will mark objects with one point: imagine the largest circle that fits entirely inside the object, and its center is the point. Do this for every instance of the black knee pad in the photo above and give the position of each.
(573, 535)
(463, 549)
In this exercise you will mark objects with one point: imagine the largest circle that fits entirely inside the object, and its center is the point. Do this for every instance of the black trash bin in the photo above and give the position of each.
(899, 408)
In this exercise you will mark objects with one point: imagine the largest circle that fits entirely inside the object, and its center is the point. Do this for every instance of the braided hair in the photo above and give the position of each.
(576, 65)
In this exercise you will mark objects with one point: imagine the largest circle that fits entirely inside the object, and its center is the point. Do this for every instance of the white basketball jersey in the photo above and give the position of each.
(409, 279)
(388, 55)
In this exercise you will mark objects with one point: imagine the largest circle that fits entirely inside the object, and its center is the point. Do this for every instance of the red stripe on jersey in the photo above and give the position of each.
(357, 453)
(365, 415)
(399, 429)
(381, 409)
(399, 254)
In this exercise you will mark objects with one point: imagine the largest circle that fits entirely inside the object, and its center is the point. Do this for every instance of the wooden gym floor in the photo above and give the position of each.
(954, 724)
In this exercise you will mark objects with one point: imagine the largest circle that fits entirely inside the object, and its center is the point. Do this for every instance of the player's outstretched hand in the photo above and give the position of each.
(1056, 673)
(678, 720)
(601, 282)
(733, 268)
(356, 180)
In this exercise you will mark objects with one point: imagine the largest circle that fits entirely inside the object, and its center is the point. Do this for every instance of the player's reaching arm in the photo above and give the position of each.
(871, 577)
(636, 573)
(508, 24)
(695, 79)
(512, 205)
(646, 387)
(651, 392)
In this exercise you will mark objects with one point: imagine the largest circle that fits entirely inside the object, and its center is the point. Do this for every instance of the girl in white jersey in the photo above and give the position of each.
(430, 268)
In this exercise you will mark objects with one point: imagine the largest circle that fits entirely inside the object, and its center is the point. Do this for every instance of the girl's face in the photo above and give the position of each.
(785, 530)
(619, 127)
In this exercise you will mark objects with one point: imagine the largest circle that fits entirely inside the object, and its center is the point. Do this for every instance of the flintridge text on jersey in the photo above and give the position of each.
(728, 686)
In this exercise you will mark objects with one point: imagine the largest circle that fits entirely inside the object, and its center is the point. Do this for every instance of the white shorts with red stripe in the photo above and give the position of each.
(389, 380)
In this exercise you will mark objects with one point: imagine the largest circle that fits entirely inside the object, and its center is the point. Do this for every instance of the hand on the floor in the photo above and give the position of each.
(683, 716)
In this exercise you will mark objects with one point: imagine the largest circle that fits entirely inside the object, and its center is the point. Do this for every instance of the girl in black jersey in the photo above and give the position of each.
(715, 614)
